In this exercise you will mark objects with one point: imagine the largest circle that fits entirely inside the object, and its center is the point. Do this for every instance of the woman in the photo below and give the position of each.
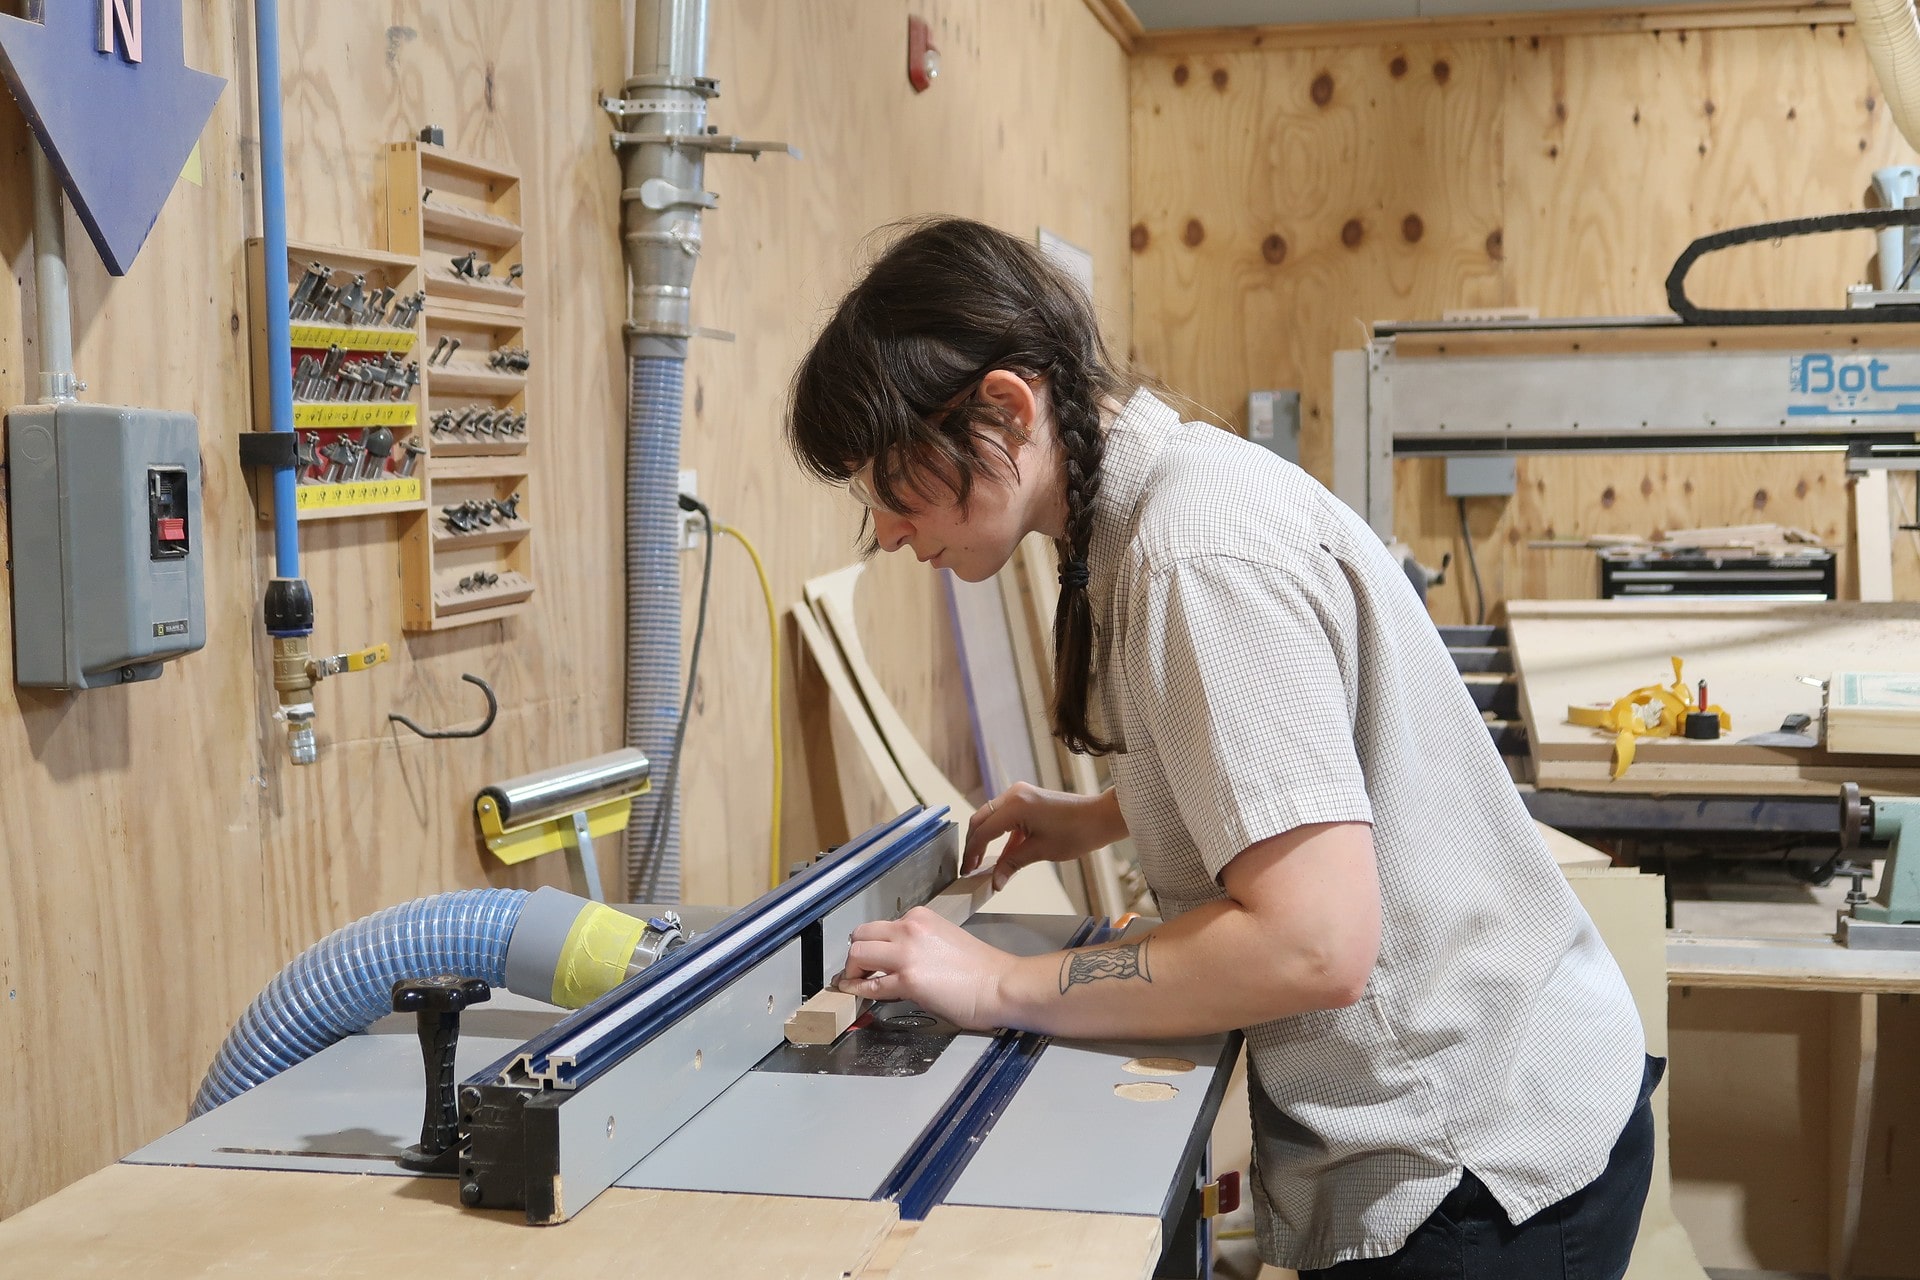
(1448, 1076)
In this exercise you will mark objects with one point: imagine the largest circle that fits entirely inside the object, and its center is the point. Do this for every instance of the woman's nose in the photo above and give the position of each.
(890, 531)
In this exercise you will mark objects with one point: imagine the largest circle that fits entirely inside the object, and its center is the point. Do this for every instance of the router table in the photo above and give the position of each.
(907, 1148)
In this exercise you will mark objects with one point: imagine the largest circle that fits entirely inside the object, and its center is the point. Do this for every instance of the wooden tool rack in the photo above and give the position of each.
(468, 553)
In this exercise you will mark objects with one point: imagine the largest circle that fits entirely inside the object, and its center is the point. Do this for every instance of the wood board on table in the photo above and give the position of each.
(1874, 711)
(1753, 655)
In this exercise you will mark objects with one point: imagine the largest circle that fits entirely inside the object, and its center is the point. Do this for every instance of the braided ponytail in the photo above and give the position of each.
(1076, 418)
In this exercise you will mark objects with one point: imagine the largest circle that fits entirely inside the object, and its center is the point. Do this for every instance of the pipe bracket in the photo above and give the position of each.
(660, 195)
(711, 143)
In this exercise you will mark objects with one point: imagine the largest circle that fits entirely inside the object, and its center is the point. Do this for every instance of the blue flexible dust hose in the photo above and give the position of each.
(343, 984)
(653, 611)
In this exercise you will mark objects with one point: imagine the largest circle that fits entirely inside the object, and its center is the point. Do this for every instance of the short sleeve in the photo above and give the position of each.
(1244, 677)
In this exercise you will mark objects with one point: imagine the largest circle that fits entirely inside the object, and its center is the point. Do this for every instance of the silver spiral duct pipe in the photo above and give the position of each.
(663, 143)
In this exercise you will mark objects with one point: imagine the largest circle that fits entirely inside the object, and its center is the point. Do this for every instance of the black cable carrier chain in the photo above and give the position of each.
(1869, 219)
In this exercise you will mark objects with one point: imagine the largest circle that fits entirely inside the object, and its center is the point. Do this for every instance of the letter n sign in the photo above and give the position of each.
(125, 16)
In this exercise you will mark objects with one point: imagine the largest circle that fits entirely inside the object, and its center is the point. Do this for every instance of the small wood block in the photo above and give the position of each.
(958, 902)
(825, 1018)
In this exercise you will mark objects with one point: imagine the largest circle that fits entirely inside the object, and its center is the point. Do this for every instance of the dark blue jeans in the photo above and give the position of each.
(1587, 1236)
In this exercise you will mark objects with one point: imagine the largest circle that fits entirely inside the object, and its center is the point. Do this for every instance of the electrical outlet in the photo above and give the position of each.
(691, 525)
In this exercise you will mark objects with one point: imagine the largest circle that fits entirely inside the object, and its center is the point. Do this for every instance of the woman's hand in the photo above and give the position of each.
(924, 958)
(1040, 826)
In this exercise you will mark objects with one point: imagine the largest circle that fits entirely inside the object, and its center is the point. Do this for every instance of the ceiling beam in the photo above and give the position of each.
(1321, 35)
(1119, 20)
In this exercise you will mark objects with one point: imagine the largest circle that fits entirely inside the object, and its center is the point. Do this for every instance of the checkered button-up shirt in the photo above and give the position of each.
(1263, 664)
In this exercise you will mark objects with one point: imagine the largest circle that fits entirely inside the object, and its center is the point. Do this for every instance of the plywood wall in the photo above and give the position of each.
(1285, 198)
(160, 857)
(1026, 126)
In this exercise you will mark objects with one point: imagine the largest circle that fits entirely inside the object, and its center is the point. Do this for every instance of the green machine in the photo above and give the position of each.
(1890, 919)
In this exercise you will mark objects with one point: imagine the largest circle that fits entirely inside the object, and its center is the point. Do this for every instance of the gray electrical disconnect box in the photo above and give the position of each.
(1471, 476)
(105, 504)
(1273, 420)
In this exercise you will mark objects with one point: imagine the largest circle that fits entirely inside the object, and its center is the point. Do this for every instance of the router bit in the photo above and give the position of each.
(379, 444)
(315, 275)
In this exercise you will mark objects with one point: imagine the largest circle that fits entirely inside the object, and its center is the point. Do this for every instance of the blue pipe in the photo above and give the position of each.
(343, 984)
(273, 219)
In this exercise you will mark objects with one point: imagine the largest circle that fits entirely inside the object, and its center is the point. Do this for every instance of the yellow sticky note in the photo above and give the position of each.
(192, 173)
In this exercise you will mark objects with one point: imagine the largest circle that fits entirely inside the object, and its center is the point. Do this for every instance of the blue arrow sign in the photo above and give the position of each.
(117, 130)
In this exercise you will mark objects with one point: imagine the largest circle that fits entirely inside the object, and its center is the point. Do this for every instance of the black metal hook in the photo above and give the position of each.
(493, 710)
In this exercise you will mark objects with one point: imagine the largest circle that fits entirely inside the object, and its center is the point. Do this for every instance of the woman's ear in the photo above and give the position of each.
(1013, 395)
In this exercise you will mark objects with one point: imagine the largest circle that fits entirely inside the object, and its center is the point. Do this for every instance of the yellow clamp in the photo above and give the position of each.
(1627, 722)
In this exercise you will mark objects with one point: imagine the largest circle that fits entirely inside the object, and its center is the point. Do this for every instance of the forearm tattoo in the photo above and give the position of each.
(1129, 961)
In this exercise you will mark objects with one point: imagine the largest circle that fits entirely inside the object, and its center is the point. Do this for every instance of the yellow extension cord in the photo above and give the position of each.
(774, 868)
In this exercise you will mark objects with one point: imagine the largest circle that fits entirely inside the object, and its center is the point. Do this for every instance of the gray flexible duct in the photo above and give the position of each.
(653, 610)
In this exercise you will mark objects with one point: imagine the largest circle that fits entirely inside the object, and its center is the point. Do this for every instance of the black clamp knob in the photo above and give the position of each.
(436, 1004)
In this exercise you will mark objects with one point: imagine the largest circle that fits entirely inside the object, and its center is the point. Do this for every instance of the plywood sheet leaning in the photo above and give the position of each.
(1031, 587)
(867, 787)
(1036, 889)
(1873, 712)
(1014, 739)
(985, 640)
(1752, 654)
(990, 665)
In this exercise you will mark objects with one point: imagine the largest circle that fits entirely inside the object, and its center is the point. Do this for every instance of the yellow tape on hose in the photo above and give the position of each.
(593, 960)
(1627, 722)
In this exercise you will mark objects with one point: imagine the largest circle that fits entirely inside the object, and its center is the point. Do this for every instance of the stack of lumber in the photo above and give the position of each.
(1747, 539)
(1762, 660)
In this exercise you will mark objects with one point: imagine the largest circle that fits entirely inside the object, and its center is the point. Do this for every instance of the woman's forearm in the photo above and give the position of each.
(1298, 931)
(1190, 976)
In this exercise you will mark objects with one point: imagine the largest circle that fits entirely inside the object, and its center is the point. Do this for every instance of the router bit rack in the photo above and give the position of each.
(457, 220)
(355, 319)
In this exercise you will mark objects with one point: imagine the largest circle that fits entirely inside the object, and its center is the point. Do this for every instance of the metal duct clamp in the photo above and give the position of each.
(564, 808)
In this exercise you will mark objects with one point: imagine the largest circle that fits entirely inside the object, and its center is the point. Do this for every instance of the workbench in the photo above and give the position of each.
(171, 1223)
(1786, 951)
(296, 1177)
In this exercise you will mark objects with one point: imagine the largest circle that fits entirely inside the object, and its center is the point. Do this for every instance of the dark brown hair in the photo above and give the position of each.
(892, 378)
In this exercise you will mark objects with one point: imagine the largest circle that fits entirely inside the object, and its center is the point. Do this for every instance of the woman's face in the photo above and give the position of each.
(977, 541)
